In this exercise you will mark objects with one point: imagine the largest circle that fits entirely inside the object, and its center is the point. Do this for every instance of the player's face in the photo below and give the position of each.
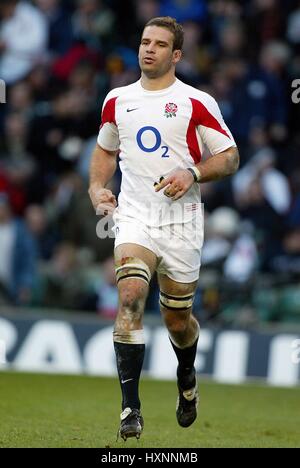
(156, 55)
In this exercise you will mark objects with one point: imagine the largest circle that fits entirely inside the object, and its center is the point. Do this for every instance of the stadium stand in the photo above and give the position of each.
(70, 54)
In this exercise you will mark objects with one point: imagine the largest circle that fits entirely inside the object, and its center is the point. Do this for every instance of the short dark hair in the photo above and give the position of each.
(171, 24)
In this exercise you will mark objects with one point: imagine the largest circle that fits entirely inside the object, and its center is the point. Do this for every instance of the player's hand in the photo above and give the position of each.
(176, 184)
(103, 200)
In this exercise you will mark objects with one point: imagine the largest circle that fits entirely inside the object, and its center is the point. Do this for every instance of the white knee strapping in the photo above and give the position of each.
(129, 337)
(132, 267)
(172, 302)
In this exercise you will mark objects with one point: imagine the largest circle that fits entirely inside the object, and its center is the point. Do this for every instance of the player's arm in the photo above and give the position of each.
(218, 166)
(224, 160)
(104, 159)
(102, 168)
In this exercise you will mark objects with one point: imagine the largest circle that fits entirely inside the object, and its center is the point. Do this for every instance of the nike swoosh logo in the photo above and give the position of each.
(124, 381)
(130, 110)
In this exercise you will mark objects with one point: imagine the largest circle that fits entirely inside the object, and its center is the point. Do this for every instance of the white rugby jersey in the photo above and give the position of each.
(156, 133)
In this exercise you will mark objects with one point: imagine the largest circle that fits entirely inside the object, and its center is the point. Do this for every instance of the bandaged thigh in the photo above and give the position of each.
(176, 302)
(132, 268)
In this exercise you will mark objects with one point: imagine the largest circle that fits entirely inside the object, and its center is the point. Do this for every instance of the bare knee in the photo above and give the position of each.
(132, 298)
(176, 324)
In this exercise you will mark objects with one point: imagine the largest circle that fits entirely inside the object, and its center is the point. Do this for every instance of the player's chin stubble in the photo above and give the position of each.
(155, 73)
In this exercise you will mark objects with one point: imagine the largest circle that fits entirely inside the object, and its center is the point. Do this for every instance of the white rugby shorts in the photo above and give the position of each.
(177, 246)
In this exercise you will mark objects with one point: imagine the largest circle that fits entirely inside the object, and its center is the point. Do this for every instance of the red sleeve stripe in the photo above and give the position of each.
(202, 116)
(191, 136)
(109, 112)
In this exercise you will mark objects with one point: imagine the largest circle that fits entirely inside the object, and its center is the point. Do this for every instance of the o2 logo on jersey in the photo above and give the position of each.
(157, 139)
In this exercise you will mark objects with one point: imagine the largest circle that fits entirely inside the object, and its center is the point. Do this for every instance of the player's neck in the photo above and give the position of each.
(156, 84)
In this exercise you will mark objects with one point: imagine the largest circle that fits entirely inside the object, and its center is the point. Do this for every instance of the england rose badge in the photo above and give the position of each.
(171, 109)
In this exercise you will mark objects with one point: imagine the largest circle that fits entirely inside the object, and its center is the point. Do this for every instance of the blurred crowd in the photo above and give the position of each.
(58, 59)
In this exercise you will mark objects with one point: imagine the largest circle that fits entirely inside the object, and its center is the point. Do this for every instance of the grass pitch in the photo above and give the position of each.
(67, 411)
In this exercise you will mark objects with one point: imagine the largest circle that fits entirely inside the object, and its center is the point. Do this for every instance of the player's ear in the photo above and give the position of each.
(177, 54)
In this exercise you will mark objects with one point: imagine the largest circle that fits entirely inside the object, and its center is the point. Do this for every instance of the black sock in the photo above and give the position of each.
(186, 373)
(130, 359)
